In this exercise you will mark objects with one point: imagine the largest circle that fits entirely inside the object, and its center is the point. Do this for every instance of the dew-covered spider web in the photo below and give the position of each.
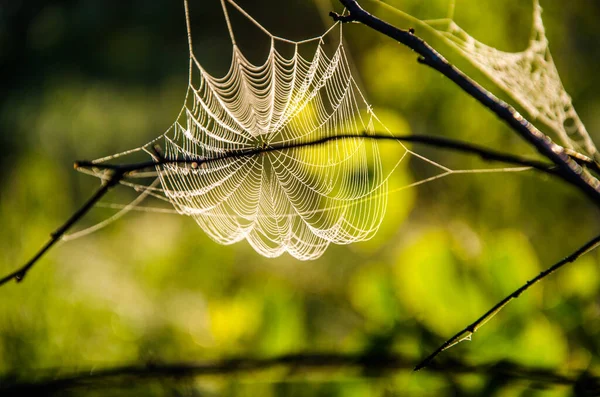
(530, 77)
(296, 200)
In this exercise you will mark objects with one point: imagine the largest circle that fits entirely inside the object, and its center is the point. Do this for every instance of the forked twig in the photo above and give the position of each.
(469, 330)
(117, 172)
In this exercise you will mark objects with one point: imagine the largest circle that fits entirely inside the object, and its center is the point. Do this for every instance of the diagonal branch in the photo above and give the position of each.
(118, 172)
(569, 169)
(19, 274)
(469, 330)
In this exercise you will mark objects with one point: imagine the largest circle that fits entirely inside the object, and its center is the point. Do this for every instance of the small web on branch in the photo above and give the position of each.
(296, 200)
(529, 76)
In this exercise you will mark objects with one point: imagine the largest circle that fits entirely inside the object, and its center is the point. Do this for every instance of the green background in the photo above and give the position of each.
(84, 79)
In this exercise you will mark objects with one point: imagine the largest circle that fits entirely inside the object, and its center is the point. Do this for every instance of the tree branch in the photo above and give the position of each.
(117, 172)
(373, 363)
(569, 169)
(469, 330)
(429, 140)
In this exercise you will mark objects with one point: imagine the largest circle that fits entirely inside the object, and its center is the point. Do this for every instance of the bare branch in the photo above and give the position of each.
(468, 331)
(570, 170)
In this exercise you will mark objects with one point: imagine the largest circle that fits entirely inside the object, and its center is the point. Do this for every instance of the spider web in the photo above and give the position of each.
(530, 77)
(296, 200)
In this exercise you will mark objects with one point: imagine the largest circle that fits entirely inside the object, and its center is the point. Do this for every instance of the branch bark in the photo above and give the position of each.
(569, 169)
(444, 143)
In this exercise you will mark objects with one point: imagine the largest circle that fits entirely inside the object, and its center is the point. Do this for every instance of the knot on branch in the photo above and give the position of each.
(425, 61)
(341, 18)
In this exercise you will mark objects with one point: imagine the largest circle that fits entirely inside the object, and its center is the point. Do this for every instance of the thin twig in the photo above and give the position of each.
(468, 331)
(569, 169)
(117, 172)
(55, 236)
(373, 363)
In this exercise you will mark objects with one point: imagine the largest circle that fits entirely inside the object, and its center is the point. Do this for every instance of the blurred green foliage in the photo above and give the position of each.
(83, 79)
